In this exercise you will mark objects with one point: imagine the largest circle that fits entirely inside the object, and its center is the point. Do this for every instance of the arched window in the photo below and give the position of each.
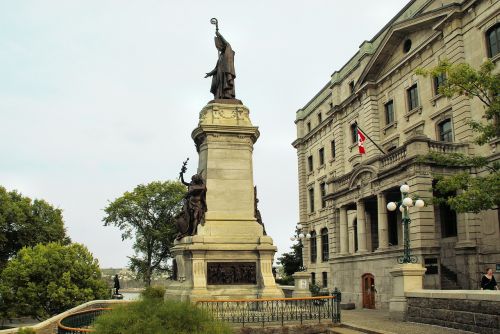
(324, 245)
(493, 40)
(445, 131)
(314, 249)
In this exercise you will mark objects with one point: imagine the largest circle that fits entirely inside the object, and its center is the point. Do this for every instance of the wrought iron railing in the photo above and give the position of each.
(275, 310)
(79, 322)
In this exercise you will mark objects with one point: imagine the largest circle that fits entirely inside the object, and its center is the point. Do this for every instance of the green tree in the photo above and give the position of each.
(463, 191)
(26, 222)
(292, 261)
(148, 213)
(48, 279)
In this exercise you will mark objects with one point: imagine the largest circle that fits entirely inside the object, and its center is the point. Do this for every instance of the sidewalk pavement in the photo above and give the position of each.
(379, 321)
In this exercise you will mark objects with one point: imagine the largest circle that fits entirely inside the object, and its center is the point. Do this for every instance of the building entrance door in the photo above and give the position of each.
(368, 286)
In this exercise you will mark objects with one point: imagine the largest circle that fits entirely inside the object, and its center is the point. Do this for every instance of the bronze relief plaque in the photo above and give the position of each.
(231, 273)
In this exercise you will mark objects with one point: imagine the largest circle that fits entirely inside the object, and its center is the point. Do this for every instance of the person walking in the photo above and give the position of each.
(488, 281)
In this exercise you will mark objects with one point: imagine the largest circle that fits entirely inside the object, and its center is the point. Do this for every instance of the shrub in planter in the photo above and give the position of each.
(153, 292)
(155, 316)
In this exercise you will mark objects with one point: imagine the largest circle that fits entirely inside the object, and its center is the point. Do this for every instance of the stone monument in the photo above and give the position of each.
(222, 251)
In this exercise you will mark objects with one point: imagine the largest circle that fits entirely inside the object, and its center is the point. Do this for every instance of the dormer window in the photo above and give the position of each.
(308, 126)
(320, 118)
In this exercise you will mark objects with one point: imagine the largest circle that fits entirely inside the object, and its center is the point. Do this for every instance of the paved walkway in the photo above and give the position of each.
(378, 320)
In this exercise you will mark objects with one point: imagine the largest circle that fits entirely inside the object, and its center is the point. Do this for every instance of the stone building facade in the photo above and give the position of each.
(354, 241)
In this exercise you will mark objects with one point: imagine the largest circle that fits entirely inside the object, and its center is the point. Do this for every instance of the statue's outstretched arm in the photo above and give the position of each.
(182, 179)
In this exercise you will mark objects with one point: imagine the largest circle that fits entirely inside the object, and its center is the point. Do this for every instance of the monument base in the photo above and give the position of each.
(225, 269)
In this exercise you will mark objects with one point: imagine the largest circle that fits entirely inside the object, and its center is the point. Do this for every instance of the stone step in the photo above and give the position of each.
(343, 330)
(354, 329)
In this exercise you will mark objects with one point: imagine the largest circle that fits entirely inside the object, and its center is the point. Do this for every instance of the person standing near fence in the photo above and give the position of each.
(488, 281)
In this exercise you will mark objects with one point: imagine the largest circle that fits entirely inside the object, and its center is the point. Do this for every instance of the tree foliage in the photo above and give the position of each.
(147, 213)
(463, 191)
(483, 84)
(292, 261)
(25, 223)
(48, 279)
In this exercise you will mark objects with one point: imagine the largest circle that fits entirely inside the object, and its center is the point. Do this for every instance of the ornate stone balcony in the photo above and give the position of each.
(415, 146)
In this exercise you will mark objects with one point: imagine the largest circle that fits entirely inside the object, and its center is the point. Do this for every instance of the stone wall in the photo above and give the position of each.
(475, 311)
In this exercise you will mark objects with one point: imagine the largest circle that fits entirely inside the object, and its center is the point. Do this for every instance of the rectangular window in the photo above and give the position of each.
(308, 127)
(438, 82)
(310, 166)
(322, 187)
(314, 248)
(354, 133)
(311, 200)
(321, 156)
(313, 278)
(320, 118)
(333, 149)
(325, 279)
(324, 245)
(432, 266)
(389, 112)
(412, 93)
(444, 129)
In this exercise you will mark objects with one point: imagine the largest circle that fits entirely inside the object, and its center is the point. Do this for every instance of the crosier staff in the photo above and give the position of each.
(214, 21)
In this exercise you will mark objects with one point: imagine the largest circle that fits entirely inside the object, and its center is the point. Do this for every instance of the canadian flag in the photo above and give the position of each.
(361, 142)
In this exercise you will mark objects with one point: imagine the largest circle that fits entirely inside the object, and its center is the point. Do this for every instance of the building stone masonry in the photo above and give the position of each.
(406, 116)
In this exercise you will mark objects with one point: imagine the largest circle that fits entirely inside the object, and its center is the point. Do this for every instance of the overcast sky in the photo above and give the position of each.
(99, 96)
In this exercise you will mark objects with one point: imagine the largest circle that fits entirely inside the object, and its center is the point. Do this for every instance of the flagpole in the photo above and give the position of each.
(358, 128)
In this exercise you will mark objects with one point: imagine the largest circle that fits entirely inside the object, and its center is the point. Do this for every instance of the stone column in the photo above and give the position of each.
(405, 278)
(350, 235)
(383, 236)
(301, 288)
(361, 220)
(344, 236)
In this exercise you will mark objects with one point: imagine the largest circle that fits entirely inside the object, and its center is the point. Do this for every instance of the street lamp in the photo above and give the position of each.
(404, 205)
(299, 238)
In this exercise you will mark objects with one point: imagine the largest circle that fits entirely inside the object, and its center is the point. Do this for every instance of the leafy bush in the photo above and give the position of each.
(49, 279)
(154, 316)
(317, 291)
(153, 292)
(26, 330)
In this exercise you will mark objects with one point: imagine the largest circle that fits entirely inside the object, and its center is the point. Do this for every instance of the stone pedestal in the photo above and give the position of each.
(405, 277)
(301, 280)
(231, 242)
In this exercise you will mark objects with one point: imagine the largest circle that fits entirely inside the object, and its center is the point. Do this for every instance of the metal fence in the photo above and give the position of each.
(275, 310)
(244, 311)
(80, 322)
